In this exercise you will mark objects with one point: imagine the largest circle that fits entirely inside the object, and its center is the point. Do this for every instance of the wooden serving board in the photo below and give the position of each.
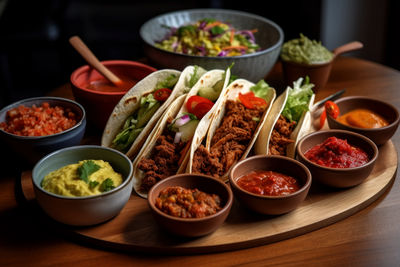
(134, 229)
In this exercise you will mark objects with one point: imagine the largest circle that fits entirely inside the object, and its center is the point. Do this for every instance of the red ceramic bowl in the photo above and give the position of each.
(100, 104)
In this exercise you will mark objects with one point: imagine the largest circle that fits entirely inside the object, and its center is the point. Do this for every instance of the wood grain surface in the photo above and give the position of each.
(370, 237)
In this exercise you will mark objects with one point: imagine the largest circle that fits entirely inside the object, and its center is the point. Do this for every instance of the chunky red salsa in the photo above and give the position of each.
(337, 153)
(38, 121)
(187, 203)
(268, 183)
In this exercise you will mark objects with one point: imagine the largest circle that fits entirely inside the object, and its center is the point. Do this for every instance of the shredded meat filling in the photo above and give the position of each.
(229, 141)
(163, 161)
(280, 137)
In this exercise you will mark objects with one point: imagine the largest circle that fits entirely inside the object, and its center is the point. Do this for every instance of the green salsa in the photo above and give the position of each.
(306, 51)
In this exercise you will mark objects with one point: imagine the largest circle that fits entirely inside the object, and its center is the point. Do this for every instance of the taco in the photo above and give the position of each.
(289, 120)
(166, 151)
(234, 129)
(140, 108)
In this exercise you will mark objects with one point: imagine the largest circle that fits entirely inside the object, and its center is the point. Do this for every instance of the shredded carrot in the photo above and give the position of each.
(254, 30)
(184, 151)
(234, 47)
(232, 36)
(212, 24)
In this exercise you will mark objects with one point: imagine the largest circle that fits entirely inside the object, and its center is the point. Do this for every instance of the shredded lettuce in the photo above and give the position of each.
(298, 100)
(197, 73)
(168, 82)
(261, 89)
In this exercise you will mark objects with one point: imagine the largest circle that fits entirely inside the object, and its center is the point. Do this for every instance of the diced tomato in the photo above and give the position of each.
(38, 121)
(162, 94)
(194, 100)
(250, 101)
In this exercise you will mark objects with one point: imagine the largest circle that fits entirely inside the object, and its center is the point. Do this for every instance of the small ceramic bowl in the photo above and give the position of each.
(253, 67)
(32, 148)
(99, 104)
(318, 73)
(86, 210)
(338, 177)
(192, 227)
(271, 205)
(386, 110)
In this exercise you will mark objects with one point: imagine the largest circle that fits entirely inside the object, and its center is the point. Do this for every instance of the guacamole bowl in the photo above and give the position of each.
(83, 210)
(253, 66)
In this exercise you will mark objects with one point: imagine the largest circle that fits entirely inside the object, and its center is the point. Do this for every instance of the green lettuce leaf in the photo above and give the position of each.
(298, 100)
(261, 89)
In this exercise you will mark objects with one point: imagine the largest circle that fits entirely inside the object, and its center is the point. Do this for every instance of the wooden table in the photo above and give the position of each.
(370, 237)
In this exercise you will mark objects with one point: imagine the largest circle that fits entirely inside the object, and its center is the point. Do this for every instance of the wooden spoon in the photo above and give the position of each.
(347, 48)
(92, 60)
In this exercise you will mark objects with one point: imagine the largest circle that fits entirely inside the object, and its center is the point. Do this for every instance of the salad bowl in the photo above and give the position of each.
(254, 66)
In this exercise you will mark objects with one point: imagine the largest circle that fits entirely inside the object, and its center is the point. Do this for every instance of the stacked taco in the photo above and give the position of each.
(139, 110)
(289, 120)
(166, 151)
(234, 128)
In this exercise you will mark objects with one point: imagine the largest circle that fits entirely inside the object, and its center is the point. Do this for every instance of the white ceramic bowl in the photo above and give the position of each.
(88, 210)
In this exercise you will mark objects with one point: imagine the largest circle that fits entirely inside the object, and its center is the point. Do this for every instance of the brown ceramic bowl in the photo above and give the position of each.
(100, 104)
(378, 135)
(192, 227)
(318, 73)
(271, 205)
(338, 177)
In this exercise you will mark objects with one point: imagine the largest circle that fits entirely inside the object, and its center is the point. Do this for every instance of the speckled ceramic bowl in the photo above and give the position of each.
(192, 227)
(252, 66)
(87, 210)
(32, 148)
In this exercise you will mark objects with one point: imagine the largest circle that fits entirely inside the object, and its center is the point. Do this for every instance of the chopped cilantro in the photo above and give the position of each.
(107, 185)
(86, 169)
(93, 184)
(217, 30)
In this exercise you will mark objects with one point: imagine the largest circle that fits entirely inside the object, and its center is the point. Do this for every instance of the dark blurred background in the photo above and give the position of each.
(35, 55)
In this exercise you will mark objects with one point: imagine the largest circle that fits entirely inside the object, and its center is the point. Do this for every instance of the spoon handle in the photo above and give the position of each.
(347, 48)
(92, 60)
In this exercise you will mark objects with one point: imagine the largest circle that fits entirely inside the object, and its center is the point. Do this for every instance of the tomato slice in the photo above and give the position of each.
(194, 100)
(162, 94)
(201, 109)
(250, 101)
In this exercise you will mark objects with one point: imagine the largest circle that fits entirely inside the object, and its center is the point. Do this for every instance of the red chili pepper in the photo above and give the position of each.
(250, 101)
(198, 105)
(162, 94)
(331, 109)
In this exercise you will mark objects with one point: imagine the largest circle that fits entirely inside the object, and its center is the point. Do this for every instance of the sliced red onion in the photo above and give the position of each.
(182, 120)
(177, 137)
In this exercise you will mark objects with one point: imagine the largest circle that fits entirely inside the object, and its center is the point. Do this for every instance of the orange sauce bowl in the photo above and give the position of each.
(98, 96)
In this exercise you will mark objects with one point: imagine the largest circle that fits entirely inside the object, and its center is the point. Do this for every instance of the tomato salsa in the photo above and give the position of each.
(187, 203)
(337, 153)
(268, 183)
(38, 121)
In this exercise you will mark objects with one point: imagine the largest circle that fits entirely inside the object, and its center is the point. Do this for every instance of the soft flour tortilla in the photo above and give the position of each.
(175, 110)
(131, 102)
(261, 146)
(232, 93)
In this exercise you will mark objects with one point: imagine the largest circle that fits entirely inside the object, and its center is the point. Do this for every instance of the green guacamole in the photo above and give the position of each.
(306, 51)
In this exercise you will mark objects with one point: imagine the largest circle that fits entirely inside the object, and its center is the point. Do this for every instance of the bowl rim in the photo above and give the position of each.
(225, 11)
(305, 186)
(392, 107)
(77, 148)
(226, 207)
(44, 99)
(87, 67)
(339, 170)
